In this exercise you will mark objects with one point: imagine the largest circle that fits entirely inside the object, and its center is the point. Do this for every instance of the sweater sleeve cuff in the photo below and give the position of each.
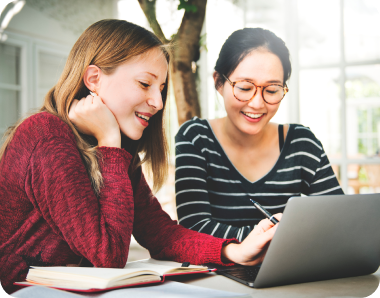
(112, 159)
(215, 251)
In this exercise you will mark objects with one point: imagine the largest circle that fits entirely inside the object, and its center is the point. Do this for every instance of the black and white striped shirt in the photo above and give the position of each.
(213, 197)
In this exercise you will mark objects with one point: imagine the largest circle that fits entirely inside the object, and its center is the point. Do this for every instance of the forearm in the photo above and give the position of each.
(165, 239)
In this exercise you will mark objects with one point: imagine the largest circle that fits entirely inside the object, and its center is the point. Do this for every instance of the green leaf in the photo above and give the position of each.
(183, 4)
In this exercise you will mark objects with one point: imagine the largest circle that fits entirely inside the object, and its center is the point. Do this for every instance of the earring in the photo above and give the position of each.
(93, 93)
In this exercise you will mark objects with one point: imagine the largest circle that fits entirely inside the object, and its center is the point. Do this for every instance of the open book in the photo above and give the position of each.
(91, 279)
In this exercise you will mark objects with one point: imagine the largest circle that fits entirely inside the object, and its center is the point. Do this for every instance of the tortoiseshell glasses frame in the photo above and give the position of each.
(285, 90)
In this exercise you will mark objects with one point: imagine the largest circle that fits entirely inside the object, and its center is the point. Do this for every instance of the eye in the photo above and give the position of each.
(272, 89)
(244, 86)
(145, 85)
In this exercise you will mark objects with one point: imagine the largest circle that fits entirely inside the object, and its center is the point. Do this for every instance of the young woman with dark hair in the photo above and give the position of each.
(222, 163)
(71, 186)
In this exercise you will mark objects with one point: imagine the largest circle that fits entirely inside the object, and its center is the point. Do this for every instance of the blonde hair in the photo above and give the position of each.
(107, 44)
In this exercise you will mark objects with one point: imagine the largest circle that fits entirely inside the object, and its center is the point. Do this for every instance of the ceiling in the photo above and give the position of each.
(74, 15)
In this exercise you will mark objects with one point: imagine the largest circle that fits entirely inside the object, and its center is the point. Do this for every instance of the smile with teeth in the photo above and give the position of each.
(143, 117)
(251, 115)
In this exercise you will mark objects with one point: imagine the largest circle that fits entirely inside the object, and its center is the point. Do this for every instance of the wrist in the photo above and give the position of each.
(110, 141)
(230, 253)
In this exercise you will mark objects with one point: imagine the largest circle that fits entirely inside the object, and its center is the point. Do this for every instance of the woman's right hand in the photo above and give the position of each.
(92, 117)
(252, 250)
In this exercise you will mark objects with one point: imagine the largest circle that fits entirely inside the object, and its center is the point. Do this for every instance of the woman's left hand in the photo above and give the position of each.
(92, 117)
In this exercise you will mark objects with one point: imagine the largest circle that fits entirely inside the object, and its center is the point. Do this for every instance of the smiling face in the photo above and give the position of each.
(262, 68)
(133, 91)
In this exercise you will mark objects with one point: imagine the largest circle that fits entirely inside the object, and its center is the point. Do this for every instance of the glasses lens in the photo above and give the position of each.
(273, 94)
(244, 91)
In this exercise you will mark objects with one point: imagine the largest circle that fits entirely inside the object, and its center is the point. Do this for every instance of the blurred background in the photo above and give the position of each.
(334, 87)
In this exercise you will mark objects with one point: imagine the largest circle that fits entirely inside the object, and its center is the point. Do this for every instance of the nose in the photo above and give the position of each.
(257, 102)
(155, 100)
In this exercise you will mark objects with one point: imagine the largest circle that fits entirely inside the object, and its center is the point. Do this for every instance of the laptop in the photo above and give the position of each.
(318, 238)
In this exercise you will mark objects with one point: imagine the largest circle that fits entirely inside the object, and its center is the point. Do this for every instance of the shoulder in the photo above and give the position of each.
(43, 125)
(299, 130)
(193, 127)
(302, 136)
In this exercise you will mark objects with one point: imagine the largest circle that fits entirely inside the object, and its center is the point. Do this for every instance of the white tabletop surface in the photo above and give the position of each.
(361, 286)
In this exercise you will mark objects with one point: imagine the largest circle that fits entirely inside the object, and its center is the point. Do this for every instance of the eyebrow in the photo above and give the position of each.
(271, 81)
(153, 75)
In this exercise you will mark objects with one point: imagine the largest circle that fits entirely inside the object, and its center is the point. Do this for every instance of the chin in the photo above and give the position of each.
(133, 135)
(249, 130)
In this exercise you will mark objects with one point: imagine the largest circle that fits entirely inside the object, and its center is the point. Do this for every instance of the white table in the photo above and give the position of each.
(361, 286)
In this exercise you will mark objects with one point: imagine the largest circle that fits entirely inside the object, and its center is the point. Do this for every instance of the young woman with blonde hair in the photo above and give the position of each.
(71, 186)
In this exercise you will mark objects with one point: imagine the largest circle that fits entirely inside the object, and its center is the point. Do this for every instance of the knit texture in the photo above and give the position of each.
(51, 216)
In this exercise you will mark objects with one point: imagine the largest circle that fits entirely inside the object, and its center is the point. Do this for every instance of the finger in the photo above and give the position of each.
(80, 104)
(263, 226)
(98, 100)
(88, 101)
(259, 257)
(72, 109)
(264, 238)
(278, 216)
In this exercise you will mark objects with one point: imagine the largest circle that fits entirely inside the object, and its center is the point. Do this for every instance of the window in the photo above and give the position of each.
(28, 69)
(10, 85)
(335, 83)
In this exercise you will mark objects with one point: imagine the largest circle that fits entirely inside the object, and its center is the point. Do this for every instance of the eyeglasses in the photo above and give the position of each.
(246, 90)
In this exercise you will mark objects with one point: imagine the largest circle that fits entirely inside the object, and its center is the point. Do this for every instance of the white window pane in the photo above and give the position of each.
(223, 17)
(9, 108)
(9, 64)
(319, 32)
(361, 29)
(320, 107)
(363, 111)
(267, 14)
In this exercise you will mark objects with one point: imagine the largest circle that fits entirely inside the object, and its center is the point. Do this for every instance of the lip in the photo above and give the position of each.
(145, 114)
(251, 119)
(143, 122)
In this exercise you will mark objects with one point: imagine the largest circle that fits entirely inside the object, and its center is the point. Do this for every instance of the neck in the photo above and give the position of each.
(241, 139)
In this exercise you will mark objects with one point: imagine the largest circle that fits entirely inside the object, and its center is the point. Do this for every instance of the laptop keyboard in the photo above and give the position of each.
(245, 273)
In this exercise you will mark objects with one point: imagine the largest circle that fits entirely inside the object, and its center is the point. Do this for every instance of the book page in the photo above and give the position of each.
(163, 267)
(83, 286)
(99, 277)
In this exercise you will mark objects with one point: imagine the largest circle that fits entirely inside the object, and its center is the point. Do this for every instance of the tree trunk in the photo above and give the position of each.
(186, 50)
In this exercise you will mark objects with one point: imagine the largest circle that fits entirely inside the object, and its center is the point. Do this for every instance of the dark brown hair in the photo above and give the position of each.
(241, 42)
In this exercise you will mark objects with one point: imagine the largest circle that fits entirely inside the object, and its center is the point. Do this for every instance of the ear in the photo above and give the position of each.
(91, 78)
(215, 75)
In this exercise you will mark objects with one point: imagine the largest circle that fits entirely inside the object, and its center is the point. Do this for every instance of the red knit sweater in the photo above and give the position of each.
(50, 215)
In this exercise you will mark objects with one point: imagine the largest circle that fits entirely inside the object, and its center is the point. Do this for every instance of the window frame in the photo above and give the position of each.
(344, 161)
(23, 87)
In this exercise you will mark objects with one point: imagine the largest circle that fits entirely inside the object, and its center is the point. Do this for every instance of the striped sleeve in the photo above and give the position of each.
(192, 198)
